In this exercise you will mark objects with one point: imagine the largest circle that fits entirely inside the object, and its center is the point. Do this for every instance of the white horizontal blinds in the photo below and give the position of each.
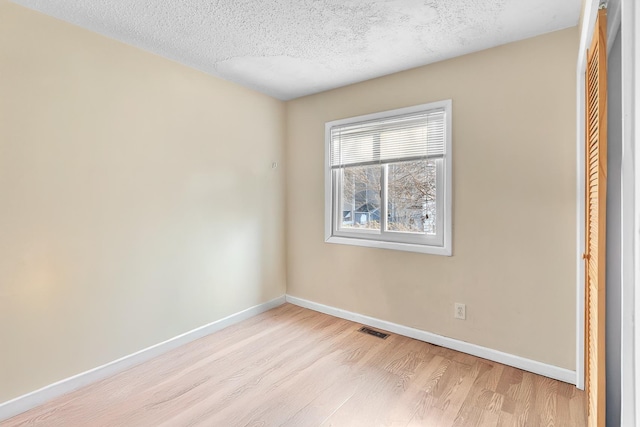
(406, 137)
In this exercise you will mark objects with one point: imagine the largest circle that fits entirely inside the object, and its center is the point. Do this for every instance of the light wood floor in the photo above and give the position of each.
(295, 367)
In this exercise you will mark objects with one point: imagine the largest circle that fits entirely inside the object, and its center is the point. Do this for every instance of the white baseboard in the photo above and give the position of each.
(529, 365)
(28, 401)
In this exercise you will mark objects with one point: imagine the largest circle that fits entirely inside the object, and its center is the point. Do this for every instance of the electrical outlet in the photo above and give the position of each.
(460, 311)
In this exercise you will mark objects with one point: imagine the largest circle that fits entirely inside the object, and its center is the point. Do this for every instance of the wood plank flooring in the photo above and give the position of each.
(294, 367)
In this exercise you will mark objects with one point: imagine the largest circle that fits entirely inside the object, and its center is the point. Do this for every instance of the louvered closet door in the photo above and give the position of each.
(595, 210)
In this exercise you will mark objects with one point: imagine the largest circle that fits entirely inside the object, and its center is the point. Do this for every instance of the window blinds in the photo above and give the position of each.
(391, 139)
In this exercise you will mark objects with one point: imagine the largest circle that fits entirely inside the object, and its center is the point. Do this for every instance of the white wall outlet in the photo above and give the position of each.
(460, 311)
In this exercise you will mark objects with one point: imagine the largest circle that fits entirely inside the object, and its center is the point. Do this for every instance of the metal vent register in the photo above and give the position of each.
(375, 333)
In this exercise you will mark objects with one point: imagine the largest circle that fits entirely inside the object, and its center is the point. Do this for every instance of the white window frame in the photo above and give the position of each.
(440, 244)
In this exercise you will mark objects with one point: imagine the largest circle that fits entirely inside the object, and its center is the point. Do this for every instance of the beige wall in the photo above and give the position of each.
(137, 200)
(513, 260)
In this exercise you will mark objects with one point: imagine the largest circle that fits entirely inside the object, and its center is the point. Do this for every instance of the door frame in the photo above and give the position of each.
(630, 335)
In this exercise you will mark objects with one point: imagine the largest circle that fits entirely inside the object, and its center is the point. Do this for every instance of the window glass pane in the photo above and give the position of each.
(411, 192)
(360, 194)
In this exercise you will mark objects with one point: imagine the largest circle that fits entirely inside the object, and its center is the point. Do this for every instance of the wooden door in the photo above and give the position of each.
(595, 210)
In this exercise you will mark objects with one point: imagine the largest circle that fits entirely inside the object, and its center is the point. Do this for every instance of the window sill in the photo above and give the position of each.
(407, 247)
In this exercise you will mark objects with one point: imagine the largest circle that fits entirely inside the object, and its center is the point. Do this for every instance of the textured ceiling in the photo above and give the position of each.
(291, 48)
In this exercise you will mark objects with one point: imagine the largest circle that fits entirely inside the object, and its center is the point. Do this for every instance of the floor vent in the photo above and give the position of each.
(369, 331)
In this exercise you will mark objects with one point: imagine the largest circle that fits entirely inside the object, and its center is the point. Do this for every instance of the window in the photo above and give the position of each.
(388, 179)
